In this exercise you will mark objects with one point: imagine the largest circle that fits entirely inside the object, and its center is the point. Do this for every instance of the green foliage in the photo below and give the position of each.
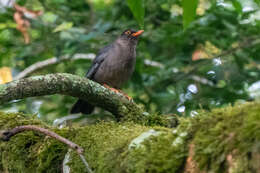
(63, 27)
(237, 6)
(257, 2)
(138, 10)
(189, 11)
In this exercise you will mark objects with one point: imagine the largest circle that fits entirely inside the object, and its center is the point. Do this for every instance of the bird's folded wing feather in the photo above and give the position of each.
(103, 53)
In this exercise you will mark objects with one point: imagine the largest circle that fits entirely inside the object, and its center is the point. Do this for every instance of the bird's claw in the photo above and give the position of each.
(119, 91)
(127, 97)
(112, 89)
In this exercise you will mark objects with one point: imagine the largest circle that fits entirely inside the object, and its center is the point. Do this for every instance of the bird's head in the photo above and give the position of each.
(130, 34)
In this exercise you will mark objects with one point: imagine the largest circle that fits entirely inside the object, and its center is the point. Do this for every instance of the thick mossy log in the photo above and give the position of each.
(224, 140)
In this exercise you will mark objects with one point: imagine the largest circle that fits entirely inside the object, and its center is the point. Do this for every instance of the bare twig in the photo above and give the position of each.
(153, 63)
(7, 134)
(85, 163)
(42, 64)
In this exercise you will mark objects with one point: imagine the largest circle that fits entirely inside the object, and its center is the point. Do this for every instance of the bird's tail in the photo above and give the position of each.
(82, 106)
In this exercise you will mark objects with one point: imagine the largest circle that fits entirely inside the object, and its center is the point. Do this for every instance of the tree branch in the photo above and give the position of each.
(7, 134)
(41, 64)
(72, 85)
(90, 56)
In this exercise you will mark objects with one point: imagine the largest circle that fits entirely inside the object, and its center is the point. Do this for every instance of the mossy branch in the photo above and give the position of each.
(224, 140)
(72, 85)
(5, 135)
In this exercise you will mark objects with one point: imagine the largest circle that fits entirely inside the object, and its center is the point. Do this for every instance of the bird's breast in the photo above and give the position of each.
(117, 69)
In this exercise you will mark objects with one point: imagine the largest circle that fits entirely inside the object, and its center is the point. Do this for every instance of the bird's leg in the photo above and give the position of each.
(118, 91)
(127, 96)
(113, 89)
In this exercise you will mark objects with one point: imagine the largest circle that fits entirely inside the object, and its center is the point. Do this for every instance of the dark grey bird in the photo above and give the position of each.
(113, 66)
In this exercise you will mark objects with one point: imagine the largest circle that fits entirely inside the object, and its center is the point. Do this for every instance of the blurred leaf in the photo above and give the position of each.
(3, 25)
(49, 17)
(7, 25)
(206, 51)
(199, 54)
(189, 11)
(257, 2)
(137, 8)
(5, 75)
(64, 26)
(5, 35)
(238, 6)
(221, 84)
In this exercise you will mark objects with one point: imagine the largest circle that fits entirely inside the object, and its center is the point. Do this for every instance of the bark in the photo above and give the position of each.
(223, 140)
(72, 85)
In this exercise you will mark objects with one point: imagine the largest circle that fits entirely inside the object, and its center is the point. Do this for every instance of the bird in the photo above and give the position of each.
(112, 67)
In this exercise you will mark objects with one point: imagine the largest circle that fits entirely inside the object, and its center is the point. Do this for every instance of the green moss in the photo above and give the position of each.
(144, 118)
(130, 147)
(103, 143)
(107, 149)
(28, 151)
(227, 131)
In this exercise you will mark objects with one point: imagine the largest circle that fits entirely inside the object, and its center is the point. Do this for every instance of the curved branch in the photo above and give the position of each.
(41, 64)
(72, 85)
(7, 134)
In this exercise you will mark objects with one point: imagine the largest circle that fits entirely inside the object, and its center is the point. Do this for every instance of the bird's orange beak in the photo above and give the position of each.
(136, 34)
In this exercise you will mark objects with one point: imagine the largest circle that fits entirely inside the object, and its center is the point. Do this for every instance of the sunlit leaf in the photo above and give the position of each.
(257, 2)
(237, 6)
(137, 8)
(199, 54)
(5, 75)
(189, 11)
(206, 51)
(2, 25)
(49, 17)
(64, 26)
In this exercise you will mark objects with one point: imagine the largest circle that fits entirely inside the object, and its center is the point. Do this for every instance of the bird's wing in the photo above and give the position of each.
(102, 54)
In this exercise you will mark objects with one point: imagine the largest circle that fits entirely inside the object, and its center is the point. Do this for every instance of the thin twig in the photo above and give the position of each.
(7, 134)
(42, 64)
(85, 163)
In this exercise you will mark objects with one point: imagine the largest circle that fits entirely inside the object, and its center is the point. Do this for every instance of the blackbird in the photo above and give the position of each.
(113, 66)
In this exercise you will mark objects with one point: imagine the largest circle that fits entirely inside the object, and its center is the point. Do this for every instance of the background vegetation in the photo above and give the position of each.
(207, 52)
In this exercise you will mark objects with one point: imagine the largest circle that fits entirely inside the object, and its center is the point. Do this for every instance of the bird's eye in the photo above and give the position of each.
(128, 32)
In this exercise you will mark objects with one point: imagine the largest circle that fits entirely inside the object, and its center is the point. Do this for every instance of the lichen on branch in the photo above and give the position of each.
(72, 85)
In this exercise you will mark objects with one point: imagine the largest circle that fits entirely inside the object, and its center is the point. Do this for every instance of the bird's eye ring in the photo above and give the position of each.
(128, 32)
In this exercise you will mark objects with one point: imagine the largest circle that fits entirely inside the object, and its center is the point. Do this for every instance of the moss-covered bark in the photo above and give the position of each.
(76, 86)
(224, 140)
